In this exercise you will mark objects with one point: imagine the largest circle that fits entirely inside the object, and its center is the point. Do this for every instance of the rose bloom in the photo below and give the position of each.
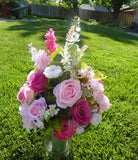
(67, 93)
(25, 94)
(37, 82)
(67, 130)
(27, 123)
(35, 109)
(81, 112)
(53, 71)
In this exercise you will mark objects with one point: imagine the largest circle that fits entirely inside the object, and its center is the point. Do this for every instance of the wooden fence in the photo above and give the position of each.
(53, 11)
(59, 12)
(105, 17)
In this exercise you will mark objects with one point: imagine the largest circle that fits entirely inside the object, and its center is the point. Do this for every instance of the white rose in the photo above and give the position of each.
(53, 71)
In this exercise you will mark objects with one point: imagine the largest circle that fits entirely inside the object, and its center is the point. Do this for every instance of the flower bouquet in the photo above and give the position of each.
(62, 95)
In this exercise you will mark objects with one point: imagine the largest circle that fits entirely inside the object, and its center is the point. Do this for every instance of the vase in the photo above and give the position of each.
(57, 149)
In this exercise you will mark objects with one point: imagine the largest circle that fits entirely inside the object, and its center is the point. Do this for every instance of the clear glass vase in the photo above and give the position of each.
(57, 149)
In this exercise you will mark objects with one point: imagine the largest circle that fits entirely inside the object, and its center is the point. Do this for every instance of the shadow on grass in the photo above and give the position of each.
(109, 31)
(61, 27)
(28, 28)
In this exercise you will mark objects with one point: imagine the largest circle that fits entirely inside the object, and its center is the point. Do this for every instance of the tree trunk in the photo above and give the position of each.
(115, 15)
(136, 19)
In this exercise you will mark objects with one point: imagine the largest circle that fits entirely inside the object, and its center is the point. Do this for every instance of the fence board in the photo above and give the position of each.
(59, 12)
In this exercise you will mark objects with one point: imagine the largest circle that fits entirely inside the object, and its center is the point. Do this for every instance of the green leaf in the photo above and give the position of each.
(83, 79)
(98, 75)
(72, 49)
(53, 55)
(57, 63)
(85, 91)
(81, 65)
(49, 86)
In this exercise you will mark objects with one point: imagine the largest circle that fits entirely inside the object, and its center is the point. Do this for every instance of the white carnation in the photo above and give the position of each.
(96, 119)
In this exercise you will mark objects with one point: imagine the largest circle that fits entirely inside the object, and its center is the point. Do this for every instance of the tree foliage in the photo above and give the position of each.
(112, 5)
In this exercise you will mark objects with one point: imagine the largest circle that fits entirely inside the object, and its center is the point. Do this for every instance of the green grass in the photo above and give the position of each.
(111, 51)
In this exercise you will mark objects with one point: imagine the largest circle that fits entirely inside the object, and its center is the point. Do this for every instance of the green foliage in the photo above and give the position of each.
(111, 51)
(57, 52)
(85, 91)
(112, 5)
(98, 75)
(71, 3)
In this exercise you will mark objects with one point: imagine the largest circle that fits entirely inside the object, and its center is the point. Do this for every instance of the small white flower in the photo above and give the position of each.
(53, 71)
(44, 113)
(94, 110)
(78, 28)
(96, 119)
(80, 130)
(73, 74)
(74, 37)
(53, 111)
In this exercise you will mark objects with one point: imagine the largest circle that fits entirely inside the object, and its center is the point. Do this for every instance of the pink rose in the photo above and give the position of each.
(81, 112)
(67, 93)
(67, 130)
(37, 82)
(36, 108)
(25, 94)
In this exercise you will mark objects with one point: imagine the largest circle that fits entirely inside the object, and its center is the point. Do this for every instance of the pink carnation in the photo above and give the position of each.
(35, 109)
(81, 112)
(67, 93)
(50, 42)
(96, 85)
(42, 60)
(25, 94)
(102, 100)
(37, 82)
(67, 130)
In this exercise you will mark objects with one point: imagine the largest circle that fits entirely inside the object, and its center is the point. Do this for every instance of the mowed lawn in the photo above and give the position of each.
(111, 51)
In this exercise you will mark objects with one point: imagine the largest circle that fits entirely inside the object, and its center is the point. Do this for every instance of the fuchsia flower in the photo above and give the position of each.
(37, 82)
(100, 82)
(25, 94)
(67, 130)
(50, 42)
(67, 93)
(81, 112)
